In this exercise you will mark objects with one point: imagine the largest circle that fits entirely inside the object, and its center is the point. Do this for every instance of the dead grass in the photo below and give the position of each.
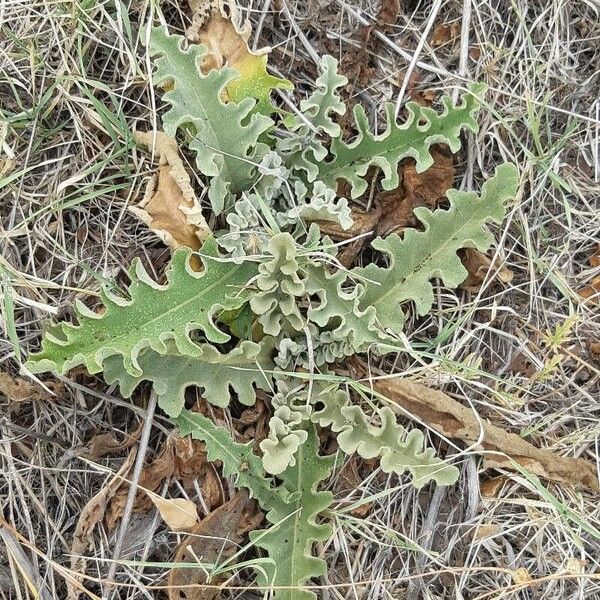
(73, 84)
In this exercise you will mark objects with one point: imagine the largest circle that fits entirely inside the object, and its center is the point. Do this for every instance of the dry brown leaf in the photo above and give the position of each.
(103, 444)
(181, 458)
(218, 25)
(179, 514)
(486, 530)
(594, 348)
(93, 512)
(450, 418)
(522, 577)
(444, 33)
(592, 290)
(17, 389)
(489, 488)
(213, 539)
(478, 265)
(170, 207)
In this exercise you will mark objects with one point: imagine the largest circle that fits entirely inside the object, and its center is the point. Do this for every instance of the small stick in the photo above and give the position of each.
(133, 488)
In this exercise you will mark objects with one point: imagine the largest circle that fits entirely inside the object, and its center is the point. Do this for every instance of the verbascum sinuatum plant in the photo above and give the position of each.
(271, 305)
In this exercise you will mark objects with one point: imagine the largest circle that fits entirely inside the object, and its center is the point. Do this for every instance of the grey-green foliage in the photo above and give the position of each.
(224, 136)
(242, 370)
(279, 285)
(398, 449)
(420, 256)
(277, 299)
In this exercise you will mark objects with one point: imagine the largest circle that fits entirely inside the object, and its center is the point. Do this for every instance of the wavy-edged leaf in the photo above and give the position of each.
(289, 542)
(398, 449)
(237, 460)
(153, 315)
(224, 135)
(303, 150)
(243, 369)
(420, 256)
(423, 128)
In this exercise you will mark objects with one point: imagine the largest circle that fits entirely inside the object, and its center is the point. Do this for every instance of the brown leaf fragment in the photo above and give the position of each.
(388, 14)
(479, 265)
(592, 290)
(450, 418)
(170, 207)
(104, 444)
(92, 513)
(179, 514)
(212, 540)
(444, 33)
(17, 389)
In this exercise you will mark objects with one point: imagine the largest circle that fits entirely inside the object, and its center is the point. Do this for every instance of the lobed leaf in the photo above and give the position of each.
(423, 128)
(399, 451)
(289, 542)
(224, 135)
(241, 370)
(422, 255)
(152, 316)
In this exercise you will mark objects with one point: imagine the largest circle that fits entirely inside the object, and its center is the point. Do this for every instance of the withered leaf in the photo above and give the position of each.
(103, 444)
(170, 207)
(450, 418)
(444, 33)
(179, 514)
(212, 540)
(478, 265)
(17, 389)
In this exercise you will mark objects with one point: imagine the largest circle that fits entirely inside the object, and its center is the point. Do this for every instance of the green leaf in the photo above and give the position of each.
(153, 315)
(224, 135)
(422, 255)
(423, 128)
(289, 542)
(241, 370)
(237, 459)
(254, 81)
(399, 451)
(293, 506)
(302, 150)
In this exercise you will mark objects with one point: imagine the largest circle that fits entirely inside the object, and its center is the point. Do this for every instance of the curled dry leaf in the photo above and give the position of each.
(92, 513)
(103, 444)
(212, 540)
(170, 207)
(450, 418)
(478, 265)
(179, 514)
